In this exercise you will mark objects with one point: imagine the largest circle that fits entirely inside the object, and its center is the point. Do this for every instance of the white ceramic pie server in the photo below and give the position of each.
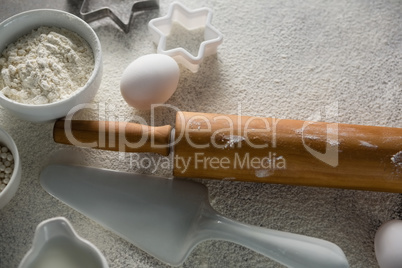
(167, 218)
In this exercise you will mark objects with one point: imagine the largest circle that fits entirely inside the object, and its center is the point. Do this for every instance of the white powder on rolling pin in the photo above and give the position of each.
(47, 65)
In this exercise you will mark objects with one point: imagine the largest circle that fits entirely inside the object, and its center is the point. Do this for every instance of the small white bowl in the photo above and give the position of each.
(16, 26)
(56, 244)
(12, 186)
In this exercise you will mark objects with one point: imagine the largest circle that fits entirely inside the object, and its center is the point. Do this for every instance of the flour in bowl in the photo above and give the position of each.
(47, 65)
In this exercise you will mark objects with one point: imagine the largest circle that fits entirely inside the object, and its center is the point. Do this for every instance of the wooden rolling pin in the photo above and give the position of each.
(257, 149)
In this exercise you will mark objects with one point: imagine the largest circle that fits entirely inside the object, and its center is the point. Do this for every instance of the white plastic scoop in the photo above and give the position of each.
(168, 218)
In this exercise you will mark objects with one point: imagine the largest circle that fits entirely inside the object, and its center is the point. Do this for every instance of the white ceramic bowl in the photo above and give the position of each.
(12, 186)
(21, 24)
(56, 244)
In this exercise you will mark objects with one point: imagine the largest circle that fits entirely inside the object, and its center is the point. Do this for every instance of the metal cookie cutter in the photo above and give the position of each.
(92, 15)
(160, 29)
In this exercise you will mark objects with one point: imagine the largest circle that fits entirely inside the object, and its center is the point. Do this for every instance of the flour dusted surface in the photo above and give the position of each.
(47, 65)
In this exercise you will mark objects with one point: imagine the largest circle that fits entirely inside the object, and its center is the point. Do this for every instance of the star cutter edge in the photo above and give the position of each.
(189, 19)
(106, 12)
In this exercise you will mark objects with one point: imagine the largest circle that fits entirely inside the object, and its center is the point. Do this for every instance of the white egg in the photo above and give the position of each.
(150, 79)
(388, 244)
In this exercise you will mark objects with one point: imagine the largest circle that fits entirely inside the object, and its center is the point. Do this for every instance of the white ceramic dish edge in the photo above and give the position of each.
(51, 228)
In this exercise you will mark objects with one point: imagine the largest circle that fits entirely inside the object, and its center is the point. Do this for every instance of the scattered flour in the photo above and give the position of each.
(231, 140)
(397, 159)
(47, 65)
(367, 144)
(197, 124)
(262, 173)
(299, 131)
(311, 137)
(333, 142)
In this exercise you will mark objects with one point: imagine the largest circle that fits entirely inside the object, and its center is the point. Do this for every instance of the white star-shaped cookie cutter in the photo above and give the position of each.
(191, 20)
